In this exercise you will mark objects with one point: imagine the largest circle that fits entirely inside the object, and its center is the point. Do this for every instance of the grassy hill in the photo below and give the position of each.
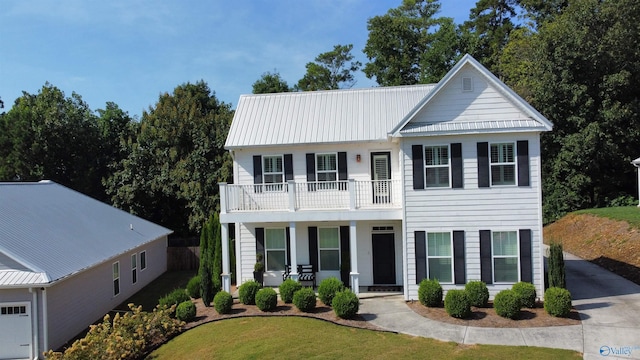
(609, 237)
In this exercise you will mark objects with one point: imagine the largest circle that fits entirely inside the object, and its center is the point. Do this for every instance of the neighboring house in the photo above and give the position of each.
(395, 184)
(65, 261)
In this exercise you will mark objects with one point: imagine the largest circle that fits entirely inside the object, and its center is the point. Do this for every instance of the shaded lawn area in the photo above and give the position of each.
(149, 295)
(630, 214)
(301, 338)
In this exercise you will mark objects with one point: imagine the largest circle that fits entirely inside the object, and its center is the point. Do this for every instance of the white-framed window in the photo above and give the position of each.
(143, 260)
(503, 164)
(440, 257)
(329, 248)
(505, 250)
(275, 245)
(134, 268)
(116, 278)
(273, 172)
(436, 159)
(327, 170)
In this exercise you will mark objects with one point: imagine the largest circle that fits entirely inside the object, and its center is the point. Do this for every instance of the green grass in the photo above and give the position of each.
(149, 295)
(300, 338)
(630, 214)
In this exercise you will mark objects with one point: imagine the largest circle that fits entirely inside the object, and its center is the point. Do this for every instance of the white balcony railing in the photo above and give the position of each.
(320, 195)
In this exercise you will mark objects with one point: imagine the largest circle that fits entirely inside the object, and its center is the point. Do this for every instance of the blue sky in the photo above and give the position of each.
(129, 52)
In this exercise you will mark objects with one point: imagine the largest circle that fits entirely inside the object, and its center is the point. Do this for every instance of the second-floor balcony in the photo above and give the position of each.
(320, 195)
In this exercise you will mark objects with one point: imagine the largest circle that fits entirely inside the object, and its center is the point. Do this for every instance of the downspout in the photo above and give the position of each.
(34, 321)
(45, 320)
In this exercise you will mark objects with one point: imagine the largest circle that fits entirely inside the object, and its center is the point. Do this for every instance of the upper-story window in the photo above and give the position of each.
(327, 170)
(273, 172)
(437, 165)
(503, 164)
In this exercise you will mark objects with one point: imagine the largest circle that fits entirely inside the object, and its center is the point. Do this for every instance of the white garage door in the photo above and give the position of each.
(15, 327)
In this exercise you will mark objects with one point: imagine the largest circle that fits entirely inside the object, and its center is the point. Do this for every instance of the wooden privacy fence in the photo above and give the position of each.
(183, 258)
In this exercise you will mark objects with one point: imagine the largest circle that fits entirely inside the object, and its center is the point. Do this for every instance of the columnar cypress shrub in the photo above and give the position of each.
(557, 301)
(205, 271)
(457, 304)
(216, 236)
(477, 293)
(328, 289)
(527, 293)
(193, 287)
(247, 292)
(556, 266)
(430, 293)
(507, 304)
(305, 299)
(287, 289)
(223, 301)
(266, 299)
(186, 311)
(345, 304)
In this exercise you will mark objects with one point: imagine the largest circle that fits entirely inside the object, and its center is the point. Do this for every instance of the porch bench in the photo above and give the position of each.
(305, 273)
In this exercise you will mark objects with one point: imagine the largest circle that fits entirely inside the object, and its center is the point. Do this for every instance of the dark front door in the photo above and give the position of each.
(384, 259)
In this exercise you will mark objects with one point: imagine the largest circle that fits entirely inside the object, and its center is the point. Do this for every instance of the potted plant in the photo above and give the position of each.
(258, 269)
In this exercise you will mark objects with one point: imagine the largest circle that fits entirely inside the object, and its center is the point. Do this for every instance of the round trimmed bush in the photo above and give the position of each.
(457, 304)
(328, 289)
(557, 301)
(223, 301)
(430, 293)
(507, 304)
(527, 293)
(266, 299)
(345, 304)
(193, 287)
(305, 299)
(186, 311)
(175, 297)
(287, 289)
(477, 293)
(247, 292)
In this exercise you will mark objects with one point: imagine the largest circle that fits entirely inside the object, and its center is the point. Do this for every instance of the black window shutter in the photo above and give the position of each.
(418, 167)
(313, 247)
(311, 171)
(421, 255)
(260, 243)
(456, 166)
(523, 163)
(342, 166)
(486, 266)
(288, 167)
(344, 245)
(483, 164)
(257, 169)
(526, 266)
(458, 258)
(288, 242)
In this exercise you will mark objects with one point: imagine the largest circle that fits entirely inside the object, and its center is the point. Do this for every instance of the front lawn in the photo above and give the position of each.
(301, 338)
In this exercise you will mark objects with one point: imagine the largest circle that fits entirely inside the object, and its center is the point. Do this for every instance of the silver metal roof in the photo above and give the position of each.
(49, 232)
(321, 116)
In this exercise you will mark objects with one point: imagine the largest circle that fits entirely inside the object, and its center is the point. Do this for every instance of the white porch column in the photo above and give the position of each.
(226, 276)
(223, 197)
(353, 249)
(291, 188)
(352, 194)
(294, 251)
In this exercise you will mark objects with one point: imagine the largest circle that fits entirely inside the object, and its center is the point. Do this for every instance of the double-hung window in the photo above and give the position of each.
(503, 164)
(116, 278)
(436, 160)
(134, 268)
(273, 172)
(143, 260)
(505, 256)
(276, 249)
(440, 257)
(327, 170)
(329, 248)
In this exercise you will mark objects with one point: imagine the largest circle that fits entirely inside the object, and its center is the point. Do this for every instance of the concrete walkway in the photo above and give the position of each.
(609, 307)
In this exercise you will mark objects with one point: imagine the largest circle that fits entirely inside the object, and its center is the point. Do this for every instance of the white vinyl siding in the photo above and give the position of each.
(329, 248)
(503, 164)
(273, 172)
(275, 248)
(504, 246)
(440, 257)
(437, 166)
(116, 278)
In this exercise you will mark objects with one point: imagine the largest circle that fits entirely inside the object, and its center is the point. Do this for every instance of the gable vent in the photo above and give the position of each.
(467, 84)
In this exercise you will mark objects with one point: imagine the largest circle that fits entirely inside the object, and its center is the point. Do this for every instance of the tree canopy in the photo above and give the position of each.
(331, 70)
(270, 82)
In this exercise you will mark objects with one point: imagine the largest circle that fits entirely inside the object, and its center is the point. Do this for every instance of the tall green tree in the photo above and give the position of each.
(206, 267)
(214, 224)
(171, 175)
(270, 82)
(331, 70)
(410, 45)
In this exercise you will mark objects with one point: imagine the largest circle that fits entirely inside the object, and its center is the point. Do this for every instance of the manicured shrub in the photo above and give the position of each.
(305, 299)
(287, 289)
(223, 301)
(193, 287)
(266, 299)
(430, 293)
(557, 301)
(247, 292)
(175, 297)
(477, 293)
(527, 293)
(507, 304)
(186, 311)
(345, 304)
(328, 289)
(457, 304)
(556, 266)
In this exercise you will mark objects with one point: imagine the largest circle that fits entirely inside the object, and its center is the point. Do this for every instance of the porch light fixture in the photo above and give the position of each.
(358, 158)
(636, 163)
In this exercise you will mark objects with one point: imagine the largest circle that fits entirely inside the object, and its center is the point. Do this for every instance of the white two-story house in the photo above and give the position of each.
(392, 184)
